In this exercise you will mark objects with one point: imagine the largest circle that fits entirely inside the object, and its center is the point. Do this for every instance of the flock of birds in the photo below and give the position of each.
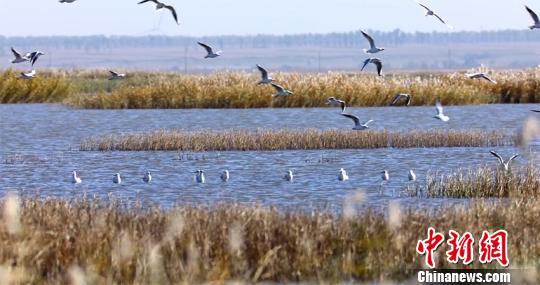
(199, 177)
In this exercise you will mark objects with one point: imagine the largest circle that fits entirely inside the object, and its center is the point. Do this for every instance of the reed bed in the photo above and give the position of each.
(87, 241)
(483, 182)
(272, 140)
(90, 89)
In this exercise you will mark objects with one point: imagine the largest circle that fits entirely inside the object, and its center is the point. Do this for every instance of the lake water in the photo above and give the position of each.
(39, 149)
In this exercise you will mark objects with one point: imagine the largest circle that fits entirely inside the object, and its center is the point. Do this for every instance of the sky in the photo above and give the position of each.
(251, 17)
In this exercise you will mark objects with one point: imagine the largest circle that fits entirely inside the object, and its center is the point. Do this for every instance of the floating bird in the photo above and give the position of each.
(481, 75)
(18, 57)
(402, 95)
(116, 75)
(75, 179)
(225, 175)
(160, 5)
(34, 56)
(28, 75)
(372, 47)
(440, 115)
(210, 52)
(199, 176)
(385, 176)
(430, 12)
(343, 175)
(117, 179)
(358, 126)
(265, 79)
(536, 24)
(289, 176)
(281, 92)
(412, 175)
(375, 61)
(332, 101)
(147, 177)
(504, 165)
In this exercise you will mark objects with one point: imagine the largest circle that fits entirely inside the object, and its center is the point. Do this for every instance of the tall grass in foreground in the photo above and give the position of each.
(244, 140)
(239, 90)
(55, 241)
(46, 88)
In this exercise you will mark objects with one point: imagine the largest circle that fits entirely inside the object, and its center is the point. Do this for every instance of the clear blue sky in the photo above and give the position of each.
(241, 17)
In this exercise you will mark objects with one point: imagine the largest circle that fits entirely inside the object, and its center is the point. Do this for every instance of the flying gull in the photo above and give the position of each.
(440, 115)
(358, 126)
(281, 92)
(372, 47)
(481, 75)
(398, 97)
(67, 1)
(504, 164)
(333, 101)
(534, 16)
(33, 57)
(210, 52)
(265, 79)
(116, 75)
(160, 5)
(430, 12)
(28, 75)
(18, 57)
(375, 61)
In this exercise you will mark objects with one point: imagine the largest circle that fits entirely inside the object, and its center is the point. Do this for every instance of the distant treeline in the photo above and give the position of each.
(337, 40)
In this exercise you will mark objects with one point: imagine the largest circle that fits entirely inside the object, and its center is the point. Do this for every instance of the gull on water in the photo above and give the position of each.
(117, 179)
(334, 102)
(534, 16)
(280, 91)
(342, 176)
(398, 97)
(440, 115)
(147, 177)
(199, 176)
(289, 176)
(430, 12)
(160, 5)
(358, 126)
(385, 176)
(34, 56)
(504, 164)
(412, 175)
(481, 75)
(265, 79)
(75, 178)
(372, 47)
(225, 176)
(28, 75)
(116, 75)
(210, 51)
(18, 57)
(377, 62)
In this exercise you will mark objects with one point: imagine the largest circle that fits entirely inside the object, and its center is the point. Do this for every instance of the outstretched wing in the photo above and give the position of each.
(15, 53)
(263, 71)
(489, 79)
(424, 6)
(440, 19)
(206, 47)
(378, 63)
(370, 39)
(409, 97)
(396, 99)
(513, 157)
(278, 88)
(355, 119)
(439, 107)
(144, 1)
(368, 122)
(537, 111)
(501, 160)
(173, 11)
(366, 62)
(533, 15)
(115, 74)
